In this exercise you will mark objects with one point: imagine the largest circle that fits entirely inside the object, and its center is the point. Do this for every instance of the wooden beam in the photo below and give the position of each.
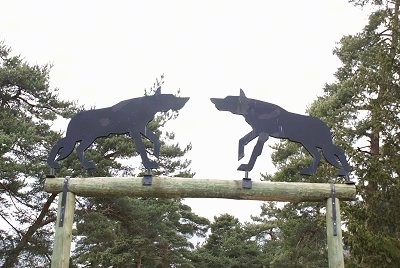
(164, 187)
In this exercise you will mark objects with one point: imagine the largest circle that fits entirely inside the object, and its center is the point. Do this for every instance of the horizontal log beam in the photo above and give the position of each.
(164, 187)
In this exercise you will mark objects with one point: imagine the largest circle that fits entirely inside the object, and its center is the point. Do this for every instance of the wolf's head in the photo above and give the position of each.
(234, 104)
(166, 102)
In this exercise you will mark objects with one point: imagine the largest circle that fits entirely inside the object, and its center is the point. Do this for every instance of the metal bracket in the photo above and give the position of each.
(147, 179)
(52, 173)
(334, 222)
(246, 182)
(348, 181)
(63, 201)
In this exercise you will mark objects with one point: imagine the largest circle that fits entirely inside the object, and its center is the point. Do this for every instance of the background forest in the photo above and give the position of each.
(361, 107)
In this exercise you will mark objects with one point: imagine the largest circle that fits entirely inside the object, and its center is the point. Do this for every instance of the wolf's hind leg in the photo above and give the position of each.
(313, 151)
(330, 156)
(154, 139)
(244, 141)
(262, 138)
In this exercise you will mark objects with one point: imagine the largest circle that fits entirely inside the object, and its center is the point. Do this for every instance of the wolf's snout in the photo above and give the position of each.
(216, 101)
(219, 103)
(183, 101)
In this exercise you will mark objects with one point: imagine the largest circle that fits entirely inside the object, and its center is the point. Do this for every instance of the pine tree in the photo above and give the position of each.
(230, 244)
(295, 232)
(28, 106)
(363, 108)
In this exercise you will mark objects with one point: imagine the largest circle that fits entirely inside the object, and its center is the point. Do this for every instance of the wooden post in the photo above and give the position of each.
(201, 188)
(335, 245)
(63, 236)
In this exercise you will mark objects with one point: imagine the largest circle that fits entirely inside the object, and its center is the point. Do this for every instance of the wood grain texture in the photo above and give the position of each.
(164, 187)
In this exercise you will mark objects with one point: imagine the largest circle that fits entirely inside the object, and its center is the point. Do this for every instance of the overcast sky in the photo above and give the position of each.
(104, 52)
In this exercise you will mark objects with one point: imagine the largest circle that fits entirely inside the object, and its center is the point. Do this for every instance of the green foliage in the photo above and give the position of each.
(127, 232)
(296, 234)
(28, 106)
(365, 104)
(230, 244)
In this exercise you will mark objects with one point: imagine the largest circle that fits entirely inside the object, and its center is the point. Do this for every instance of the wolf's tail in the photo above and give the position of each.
(66, 146)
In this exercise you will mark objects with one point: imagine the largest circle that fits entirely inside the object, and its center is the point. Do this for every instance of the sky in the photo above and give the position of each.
(103, 52)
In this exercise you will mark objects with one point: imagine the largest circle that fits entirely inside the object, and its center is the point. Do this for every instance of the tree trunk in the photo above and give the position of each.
(165, 263)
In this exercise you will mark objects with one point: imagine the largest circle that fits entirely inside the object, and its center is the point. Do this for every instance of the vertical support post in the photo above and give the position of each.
(63, 236)
(335, 246)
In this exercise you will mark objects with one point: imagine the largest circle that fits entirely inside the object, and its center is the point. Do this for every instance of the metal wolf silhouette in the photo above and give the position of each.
(126, 117)
(268, 119)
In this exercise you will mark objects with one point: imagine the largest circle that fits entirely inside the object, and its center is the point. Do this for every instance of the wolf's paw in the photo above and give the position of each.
(306, 171)
(342, 173)
(151, 165)
(53, 164)
(88, 165)
(244, 167)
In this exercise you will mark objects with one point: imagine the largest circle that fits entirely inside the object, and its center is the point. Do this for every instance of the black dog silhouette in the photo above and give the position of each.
(126, 117)
(268, 119)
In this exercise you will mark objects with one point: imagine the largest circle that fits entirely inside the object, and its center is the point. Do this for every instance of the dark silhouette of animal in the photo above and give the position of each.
(268, 119)
(126, 117)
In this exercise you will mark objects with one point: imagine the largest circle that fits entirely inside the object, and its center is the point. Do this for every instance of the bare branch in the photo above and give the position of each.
(15, 252)
(9, 223)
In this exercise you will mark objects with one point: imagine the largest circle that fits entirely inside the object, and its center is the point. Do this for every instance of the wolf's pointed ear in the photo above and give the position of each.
(242, 95)
(158, 91)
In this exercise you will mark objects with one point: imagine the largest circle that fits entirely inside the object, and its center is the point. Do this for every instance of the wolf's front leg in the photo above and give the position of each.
(154, 139)
(244, 141)
(141, 149)
(262, 138)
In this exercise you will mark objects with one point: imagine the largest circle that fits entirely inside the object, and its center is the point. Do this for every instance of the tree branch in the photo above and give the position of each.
(12, 257)
(9, 223)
